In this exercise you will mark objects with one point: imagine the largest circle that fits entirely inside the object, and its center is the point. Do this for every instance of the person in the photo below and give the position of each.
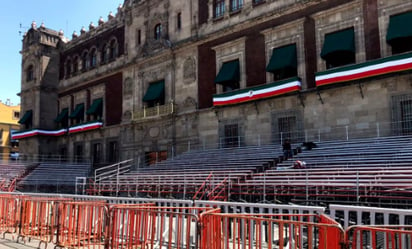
(299, 164)
(287, 149)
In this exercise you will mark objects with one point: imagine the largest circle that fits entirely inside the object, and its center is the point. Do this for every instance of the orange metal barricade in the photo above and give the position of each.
(38, 219)
(244, 231)
(10, 211)
(82, 224)
(154, 227)
(375, 237)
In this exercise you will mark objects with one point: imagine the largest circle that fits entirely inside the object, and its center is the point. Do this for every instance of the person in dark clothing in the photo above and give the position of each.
(287, 149)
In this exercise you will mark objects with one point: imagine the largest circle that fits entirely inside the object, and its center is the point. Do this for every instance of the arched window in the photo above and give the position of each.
(113, 49)
(104, 54)
(75, 64)
(93, 57)
(68, 67)
(85, 61)
(158, 31)
(30, 73)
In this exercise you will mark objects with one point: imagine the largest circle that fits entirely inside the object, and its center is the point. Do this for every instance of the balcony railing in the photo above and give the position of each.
(158, 110)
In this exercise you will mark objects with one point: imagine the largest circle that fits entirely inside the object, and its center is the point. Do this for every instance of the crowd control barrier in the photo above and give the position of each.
(91, 224)
(9, 213)
(242, 231)
(154, 227)
(376, 237)
(81, 224)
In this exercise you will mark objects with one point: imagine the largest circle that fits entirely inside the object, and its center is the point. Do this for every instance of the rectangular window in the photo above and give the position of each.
(78, 153)
(97, 153)
(235, 5)
(139, 37)
(287, 127)
(406, 117)
(219, 8)
(232, 138)
(113, 152)
(16, 115)
(179, 21)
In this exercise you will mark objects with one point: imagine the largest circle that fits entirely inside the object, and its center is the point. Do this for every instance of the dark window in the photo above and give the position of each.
(179, 21)
(406, 117)
(339, 48)
(97, 153)
(16, 115)
(85, 61)
(232, 138)
(78, 152)
(158, 31)
(287, 127)
(30, 73)
(104, 55)
(93, 58)
(399, 35)
(68, 68)
(75, 64)
(401, 45)
(113, 49)
(218, 8)
(153, 157)
(113, 152)
(235, 5)
(63, 153)
(139, 37)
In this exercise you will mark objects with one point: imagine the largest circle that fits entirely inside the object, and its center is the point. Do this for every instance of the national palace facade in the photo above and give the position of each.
(160, 77)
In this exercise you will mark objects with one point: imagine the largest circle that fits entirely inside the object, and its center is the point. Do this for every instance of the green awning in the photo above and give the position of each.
(282, 58)
(96, 107)
(229, 72)
(26, 117)
(155, 91)
(400, 26)
(78, 111)
(62, 115)
(341, 41)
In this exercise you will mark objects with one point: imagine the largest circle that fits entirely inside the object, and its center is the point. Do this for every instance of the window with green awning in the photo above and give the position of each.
(399, 34)
(155, 93)
(339, 48)
(96, 108)
(27, 118)
(283, 62)
(78, 112)
(229, 72)
(64, 114)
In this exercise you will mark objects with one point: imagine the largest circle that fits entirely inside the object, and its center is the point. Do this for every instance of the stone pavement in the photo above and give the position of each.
(10, 242)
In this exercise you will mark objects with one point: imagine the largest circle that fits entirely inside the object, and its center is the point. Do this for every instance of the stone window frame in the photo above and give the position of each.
(75, 62)
(230, 51)
(85, 60)
(30, 72)
(356, 22)
(274, 39)
(93, 57)
(384, 14)
(221, 8)
(157, 31)
(236, 5)
(113, 47)
(179, 21)
(68, 67)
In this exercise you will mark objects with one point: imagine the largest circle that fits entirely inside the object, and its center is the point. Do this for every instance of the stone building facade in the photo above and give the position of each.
(161, 77)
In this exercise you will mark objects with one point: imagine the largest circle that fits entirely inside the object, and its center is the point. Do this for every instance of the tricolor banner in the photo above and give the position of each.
(85, 127)
(259, 92)
(37, 132)
(382, 66)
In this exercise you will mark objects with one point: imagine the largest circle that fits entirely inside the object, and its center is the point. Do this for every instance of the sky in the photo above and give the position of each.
(16, 17)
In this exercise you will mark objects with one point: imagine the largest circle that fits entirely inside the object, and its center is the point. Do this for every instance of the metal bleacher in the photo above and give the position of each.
(365, 172)
(54, 177)
(372, 171)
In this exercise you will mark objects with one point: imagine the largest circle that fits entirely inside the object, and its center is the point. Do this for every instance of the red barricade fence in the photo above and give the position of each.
(87, 224)
(154, 227)
(377, 237)
(244, 231)
(10, 211)
(81, 224)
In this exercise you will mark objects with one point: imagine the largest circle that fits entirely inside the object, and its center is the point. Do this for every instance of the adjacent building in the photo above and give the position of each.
(9, 117)
(161, 77)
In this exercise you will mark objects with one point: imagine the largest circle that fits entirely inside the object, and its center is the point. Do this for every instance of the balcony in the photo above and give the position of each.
(159, 110)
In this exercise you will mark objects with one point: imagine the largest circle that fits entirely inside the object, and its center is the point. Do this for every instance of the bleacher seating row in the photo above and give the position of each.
(374, 171)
